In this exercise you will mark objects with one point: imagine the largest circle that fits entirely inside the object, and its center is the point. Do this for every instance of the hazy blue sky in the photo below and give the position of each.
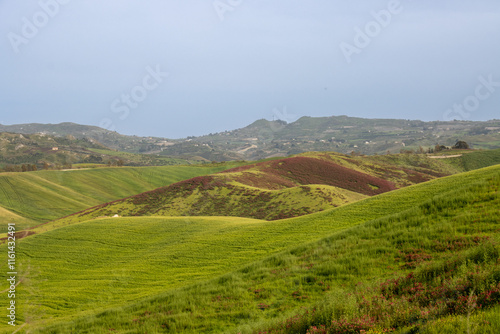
(231, 62)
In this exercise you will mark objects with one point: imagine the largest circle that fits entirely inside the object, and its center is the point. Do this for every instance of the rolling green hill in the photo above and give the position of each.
(276, 189)
(81, 269)
(10, 217)
(34, 197)
(260, 190)
(480, 159)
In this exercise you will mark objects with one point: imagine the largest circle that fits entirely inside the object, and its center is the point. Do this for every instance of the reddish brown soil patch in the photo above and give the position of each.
(20, 235)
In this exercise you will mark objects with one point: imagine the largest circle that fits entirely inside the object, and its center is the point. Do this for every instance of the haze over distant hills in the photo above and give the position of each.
(264, 139)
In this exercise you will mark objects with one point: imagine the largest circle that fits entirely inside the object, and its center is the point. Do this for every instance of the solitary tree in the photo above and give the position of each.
(461, 145)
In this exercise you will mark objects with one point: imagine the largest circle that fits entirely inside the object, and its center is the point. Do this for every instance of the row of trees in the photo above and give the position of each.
(113, 163)
(459, 145)
(21, 168)
(35, 167)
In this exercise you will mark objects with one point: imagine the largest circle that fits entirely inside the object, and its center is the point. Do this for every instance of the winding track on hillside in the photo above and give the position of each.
(444, 156)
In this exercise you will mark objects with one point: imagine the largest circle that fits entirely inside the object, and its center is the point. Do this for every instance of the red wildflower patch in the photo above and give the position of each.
(264, 181)
(303, 170)
(413, 257)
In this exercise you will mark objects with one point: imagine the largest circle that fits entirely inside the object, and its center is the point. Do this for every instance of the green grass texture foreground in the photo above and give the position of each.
(73, 273)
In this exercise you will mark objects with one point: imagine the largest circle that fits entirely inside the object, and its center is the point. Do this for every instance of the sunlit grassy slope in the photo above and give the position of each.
(47, 195)
(481, 159)
(79, 269)
(10, 217)
(277, 189)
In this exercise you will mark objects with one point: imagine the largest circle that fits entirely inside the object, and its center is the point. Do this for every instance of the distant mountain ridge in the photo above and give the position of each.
(108, 138)
(264, 139)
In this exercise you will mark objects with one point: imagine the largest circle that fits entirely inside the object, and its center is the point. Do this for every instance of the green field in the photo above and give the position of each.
(80, 269)
(34, 197)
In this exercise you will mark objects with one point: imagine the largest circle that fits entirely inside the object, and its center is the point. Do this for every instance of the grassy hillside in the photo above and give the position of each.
(53, 152)
(277, 189)
(33, 149)
(46, 195)
(10, 217)
(138, 159)
(480, 159)
(206, 196)
(82, 268)
(324, 180)
(109, 138)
